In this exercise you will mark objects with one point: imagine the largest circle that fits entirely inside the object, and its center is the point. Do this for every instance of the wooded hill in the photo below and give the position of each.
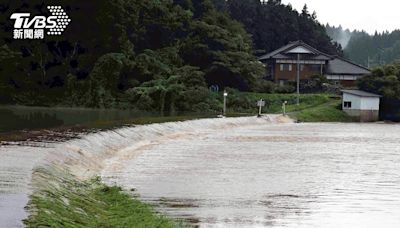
(365, 49)
(273, 25)
(155, 55)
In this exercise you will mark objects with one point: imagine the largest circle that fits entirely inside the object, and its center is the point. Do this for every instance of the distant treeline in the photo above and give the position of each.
(273, 25)
(154, 55)
(365, 49)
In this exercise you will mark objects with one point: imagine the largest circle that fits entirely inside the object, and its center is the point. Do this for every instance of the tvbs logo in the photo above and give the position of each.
(35, 28)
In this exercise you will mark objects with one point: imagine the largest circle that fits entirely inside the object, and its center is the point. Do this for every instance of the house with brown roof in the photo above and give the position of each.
(282, 65)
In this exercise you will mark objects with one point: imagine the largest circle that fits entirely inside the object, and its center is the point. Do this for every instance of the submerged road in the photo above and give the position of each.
(239, 172)
(270, 175)
(16, 167)
(85, 157)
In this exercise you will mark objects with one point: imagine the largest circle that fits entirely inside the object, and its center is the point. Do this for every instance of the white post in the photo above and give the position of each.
(225, 95)
(260, 109)
(284, 108)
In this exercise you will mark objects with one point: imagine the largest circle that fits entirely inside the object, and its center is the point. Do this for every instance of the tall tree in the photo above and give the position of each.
(273, 24)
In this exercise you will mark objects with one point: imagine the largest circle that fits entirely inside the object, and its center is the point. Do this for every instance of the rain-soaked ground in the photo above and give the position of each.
(271, 175)
(240, 172)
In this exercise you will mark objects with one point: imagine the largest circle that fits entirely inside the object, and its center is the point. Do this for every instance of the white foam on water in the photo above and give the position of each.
(16, 167)
(89, 156)
(269, 175)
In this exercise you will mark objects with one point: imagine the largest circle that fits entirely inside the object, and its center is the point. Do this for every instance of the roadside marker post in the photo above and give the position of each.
(225, 95)
(284, 107)
(260, 104)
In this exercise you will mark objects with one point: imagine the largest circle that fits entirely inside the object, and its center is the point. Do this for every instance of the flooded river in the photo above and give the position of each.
(271, 175)
(239, 172)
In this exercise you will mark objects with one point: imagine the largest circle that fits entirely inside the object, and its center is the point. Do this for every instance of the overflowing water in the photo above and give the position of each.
(274, 175)
(16, 167)
(243, 172)
(84, 157)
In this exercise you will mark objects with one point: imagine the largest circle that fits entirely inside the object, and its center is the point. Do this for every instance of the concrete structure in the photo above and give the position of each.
(361, 104)
(282, 65)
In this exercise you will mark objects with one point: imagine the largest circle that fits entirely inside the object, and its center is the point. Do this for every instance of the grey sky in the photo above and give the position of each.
(368, 15)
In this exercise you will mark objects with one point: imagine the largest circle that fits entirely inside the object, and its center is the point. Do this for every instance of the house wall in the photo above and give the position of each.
(363, 115)
(355, 101)
(361, 103)
(292, 75)
(370, 103)
(348, 83)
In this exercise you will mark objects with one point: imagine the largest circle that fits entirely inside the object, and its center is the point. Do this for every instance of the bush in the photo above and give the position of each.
(264, 86)
(314, 84)
(285, 89)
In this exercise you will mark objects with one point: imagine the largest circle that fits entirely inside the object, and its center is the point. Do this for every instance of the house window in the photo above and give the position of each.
(347, 104)
(286, 67)
(302, 66)
(316, 68)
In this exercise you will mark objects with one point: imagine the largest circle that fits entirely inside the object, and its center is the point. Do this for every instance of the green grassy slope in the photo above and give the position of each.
(327, 112)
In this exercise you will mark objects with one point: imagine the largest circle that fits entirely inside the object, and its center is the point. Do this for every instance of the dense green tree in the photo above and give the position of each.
(158, 55)
(223, 50)
(385, 80)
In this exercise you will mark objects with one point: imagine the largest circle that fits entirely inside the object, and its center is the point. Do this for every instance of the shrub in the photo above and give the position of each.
(264, 86)
(285, 89)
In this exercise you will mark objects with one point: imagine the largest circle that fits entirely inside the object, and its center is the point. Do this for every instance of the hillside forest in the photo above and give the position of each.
(156, 55)
(368, 50)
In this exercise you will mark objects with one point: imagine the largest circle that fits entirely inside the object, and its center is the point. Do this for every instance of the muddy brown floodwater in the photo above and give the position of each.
(270, 175)
(233, 172)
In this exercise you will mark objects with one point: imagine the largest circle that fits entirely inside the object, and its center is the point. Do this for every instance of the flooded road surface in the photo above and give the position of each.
(270, 175)
(16, 167)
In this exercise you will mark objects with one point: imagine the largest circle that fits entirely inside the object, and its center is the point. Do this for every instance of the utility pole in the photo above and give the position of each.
(298, 78)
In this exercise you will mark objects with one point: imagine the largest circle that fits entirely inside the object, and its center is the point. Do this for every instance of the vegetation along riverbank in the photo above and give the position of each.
(64, 201)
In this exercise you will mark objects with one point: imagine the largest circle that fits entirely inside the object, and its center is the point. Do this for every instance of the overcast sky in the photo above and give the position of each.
(369, 15)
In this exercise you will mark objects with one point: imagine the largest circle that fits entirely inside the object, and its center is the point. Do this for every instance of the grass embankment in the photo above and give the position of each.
(327, 112)
(312, 108)
(63, 201)
(246, 102)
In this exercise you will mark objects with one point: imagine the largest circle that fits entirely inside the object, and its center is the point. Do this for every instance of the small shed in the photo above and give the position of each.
(361, 104)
